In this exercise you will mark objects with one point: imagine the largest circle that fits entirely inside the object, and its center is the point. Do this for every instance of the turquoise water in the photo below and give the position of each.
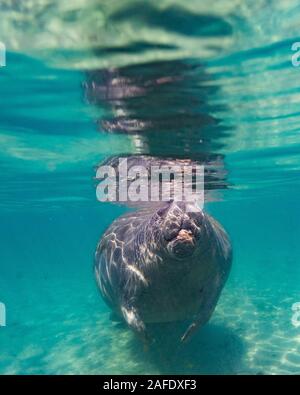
(227, 89)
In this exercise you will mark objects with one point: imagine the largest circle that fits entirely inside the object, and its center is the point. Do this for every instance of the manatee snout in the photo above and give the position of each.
(181, 231)
(183, 245)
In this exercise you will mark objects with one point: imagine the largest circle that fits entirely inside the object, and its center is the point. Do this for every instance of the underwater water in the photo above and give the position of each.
(216, 84)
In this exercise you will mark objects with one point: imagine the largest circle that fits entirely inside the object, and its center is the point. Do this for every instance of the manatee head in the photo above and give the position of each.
(181, 230)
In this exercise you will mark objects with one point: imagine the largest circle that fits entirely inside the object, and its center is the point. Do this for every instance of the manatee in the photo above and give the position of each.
(163, 264)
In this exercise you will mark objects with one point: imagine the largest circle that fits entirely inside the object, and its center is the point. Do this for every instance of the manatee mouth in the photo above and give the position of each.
(182, 238)
(183, 245)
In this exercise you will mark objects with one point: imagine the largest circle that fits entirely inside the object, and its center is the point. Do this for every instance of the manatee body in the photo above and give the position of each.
(163, 265)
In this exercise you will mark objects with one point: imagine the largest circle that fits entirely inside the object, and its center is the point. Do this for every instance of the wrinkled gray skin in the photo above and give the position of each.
(163, 265)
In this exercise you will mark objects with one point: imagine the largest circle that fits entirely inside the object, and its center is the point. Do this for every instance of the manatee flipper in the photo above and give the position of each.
(134, 321)
(191, 329)
(200, 320)
(204, 314)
